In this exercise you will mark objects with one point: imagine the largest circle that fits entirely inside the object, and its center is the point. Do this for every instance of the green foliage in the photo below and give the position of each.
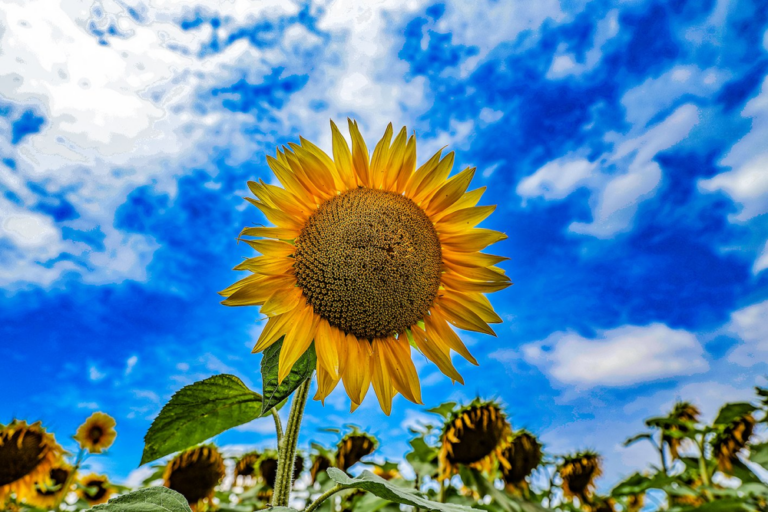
(367, 481)
(154, 499)
(732, 412)
(275, 392)
(198, 412)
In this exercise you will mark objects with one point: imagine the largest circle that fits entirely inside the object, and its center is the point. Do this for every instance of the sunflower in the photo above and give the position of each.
(728, 443)
(95, 489)
(523, 452)
(578, 473)
(387, 471)
(320, 462)
(601, 505)
(635, 502)
(246, 465)
(369, 256)
(475, 436)
(353, 447)
(27, 455)
(50, 491)
(97, 433)
(682, 411)
(268, 467)
(195, 473)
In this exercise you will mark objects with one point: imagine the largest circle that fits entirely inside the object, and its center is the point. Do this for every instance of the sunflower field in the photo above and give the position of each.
(371, 258)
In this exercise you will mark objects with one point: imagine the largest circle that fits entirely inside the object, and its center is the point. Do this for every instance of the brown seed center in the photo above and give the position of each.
(369, 262)
(20, 454)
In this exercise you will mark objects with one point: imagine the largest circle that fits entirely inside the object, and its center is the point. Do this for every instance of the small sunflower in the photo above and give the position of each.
(682, 411)
(268, 467)
(369, 256)
(523, 452)
(728, 443)
(97, 433)
(578, 473)
(246, 465)
(320, 463)
(51, 490)
(95, 489)
(195, 473)
(474, 436)
(387, 471)
(27, 455)
(353, 447)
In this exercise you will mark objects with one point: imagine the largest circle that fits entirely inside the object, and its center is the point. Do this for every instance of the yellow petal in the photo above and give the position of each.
(380, 158)
(397, 357)
(252, 279)
(286, 178)
(381, 380)
(357, 369)
(326, 383)
(274, 248)
(408, 167)
(479, 304)
(434, 352)
(464, 219)
(327, 349)
(471, 259)
(327, 162)
(253, 294)
(395, 160)
(316, 170)
(296, 342)
(472, 241)
(451, 191)
(359, 154)
(417, 177)
(282, 301)
(276, 233)
(434, 179)
(437, 323)
(267, 265)
(456, 282)
(276, 327)
(462, 317)
(468, 200)
(343, 158)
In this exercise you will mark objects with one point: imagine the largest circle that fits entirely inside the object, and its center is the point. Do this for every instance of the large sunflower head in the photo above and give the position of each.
(246, 465)
(353, 447)
(578, 473)
(52, 489)
(731, 440)
(523, 453)
(475, 436)
(97, 433)
(368, 256)
(95, 489)
(685, 412)
(27, 454)
(195, 473)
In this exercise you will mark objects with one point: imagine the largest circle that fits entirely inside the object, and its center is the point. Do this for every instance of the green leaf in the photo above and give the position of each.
(198, 412)
(733, 411)
(423, 458)
(275, 393)
(367, 481)
(473, 479)
(637, 484)
(153, 499)
(443, 410)
(726, 505)
(758, 453)
(637, 438)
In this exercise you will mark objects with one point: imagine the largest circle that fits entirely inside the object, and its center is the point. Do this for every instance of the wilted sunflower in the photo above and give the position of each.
(195, 473)
(95, 489)
(320, 462)
(246, 465)
(523, 453)
(578, 473)
(367, 255)
(727, 444)
(473, 436)
(97, 433)
(268, 467)
(27, 454)
(683, 411)
(353, 447)
(50, 491)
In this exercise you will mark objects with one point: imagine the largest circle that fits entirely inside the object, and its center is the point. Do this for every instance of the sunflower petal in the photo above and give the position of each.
(343, 158)
(451, 191)
(434, 179)
(357, 369)
(380, 158)
(395, 160)
(327, 349)
(434, 352)
(456, 282)
(397, 357)
(381, 380)
(463, 317)
(282, 301)
(359, 154)
(296, 342)
(326, 383)
(464, 219)
(475, 240)
(276, 233)
(437, 323)
(409, 164)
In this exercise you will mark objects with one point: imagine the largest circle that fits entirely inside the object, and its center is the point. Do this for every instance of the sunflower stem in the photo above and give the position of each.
(287, 447)
(704, 472)
(320, 499)
(278, 426)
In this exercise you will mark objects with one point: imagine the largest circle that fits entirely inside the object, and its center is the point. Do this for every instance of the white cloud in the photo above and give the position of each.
(564, 64)
(750, 325)
(130, 364)
(618, 357)
(557, 179)
(761, 263)
(747, 181)
(94, 374)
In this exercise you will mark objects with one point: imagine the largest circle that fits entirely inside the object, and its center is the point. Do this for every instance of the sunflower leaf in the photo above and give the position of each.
(275, 392)
(154, 499)
(390, 491)
(198, 412)
(733, 411)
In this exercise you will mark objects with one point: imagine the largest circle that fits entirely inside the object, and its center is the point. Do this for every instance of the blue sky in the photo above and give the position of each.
(625, 144)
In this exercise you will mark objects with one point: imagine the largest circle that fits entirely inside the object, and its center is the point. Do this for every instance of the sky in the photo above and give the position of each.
(625, 144)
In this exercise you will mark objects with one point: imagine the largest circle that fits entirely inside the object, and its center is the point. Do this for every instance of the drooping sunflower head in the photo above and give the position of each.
(320, 463)
(267, 466)
(731, 440)
(685, 412)
(195, 473)
(523, 453)
(27, 454)
(475, 436)
(95, 489)
(353, 447)
(368, 256)
(97, 433)
(246, 465)
(578, 473)
(50, 490)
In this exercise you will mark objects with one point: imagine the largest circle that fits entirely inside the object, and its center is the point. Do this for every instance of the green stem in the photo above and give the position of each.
(319, 501)
(287, 452)
(70, 479)
(442, 491)
(278, 425)
(703, 469)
